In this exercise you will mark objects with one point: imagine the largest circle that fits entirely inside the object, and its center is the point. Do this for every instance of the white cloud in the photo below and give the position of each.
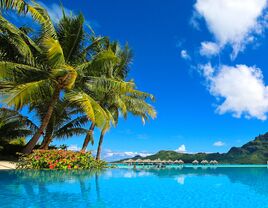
(74, 147)
(207, 70)
(116, 155)
(185, 55)
(209, 49)
(135, 174)
(240, 88)
(181, 149)
(194, 20)
(55, 11)
(233, 21)
(218, 144)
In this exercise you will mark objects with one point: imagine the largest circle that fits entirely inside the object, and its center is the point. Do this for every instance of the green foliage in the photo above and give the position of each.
(60, 160)
(14, 126)
(20, 141)
(65, 61)
(253, 152)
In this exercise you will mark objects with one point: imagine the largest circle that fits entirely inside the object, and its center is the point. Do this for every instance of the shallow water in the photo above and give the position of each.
(228, 187)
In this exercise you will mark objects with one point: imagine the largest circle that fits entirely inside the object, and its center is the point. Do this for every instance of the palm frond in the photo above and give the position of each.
(27, 93)
(15, 71)
(41, 15)
(53, 52)
(66, 133)
(9, 113)
(103, 84)
(92, 109)
(71, 36)
(19, 5)
(77, 122)
(16, 38)
(13, 125)
(103, 63)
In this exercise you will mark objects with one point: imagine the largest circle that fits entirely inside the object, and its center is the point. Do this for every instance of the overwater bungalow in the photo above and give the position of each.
(139, 161)
(204, 162)
(130, 161)
(181, 162)
(213, 162)
(195, 162)
(170, 162)
(147, 161)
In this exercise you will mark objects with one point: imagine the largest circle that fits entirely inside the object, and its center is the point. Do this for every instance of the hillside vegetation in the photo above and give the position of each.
(253, 152)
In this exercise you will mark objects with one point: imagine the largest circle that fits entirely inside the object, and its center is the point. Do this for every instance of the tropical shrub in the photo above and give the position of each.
(60, 160)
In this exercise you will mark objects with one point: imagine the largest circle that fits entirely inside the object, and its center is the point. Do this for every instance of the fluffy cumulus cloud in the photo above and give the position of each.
(185, 55)
(218, 144)
(241, 90)
(181, 149)
(233, 21)
(209, 49)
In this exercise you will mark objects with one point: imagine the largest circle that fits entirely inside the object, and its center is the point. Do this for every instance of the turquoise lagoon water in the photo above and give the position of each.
(187, 187)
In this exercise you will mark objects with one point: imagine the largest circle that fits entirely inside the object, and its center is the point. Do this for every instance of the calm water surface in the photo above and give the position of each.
(174, 187)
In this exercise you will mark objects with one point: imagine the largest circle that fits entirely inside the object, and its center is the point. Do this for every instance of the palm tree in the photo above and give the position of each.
(65, 122)
(47, 73)
(134, 103)
(122, 98)
(13, 125)
(90, 71)
(104, 82)
(31, 79)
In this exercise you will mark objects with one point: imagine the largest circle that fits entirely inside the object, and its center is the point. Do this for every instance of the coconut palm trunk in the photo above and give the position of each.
(100, 145)
(47, 140)
(88, 137)
(30, 145)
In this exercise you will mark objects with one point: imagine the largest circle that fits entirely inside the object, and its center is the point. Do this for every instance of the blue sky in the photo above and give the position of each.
(205, 62)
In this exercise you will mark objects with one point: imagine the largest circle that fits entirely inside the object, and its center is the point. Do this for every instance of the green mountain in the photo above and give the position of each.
(253, 152)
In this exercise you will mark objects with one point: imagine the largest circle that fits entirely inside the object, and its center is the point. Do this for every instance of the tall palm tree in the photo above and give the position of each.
(31, 80)
(72, 36)
(103, 82)
(124, 102)
(45, 73)
(123, 97)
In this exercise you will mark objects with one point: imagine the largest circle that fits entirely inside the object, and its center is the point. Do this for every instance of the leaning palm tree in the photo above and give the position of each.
(102, 85)
(95, 59)
(42, 72)
(65, 122)
(123, 98)
(33, 79)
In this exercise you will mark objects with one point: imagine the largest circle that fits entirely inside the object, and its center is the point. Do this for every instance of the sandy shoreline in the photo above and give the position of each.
(7, 165)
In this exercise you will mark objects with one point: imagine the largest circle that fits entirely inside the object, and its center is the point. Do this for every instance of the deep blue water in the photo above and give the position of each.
(184, 188)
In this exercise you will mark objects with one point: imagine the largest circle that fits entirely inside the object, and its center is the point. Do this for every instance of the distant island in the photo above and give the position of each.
(253, 152)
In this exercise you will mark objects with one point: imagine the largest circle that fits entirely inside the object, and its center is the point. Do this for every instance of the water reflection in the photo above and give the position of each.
(57, 188)
(255, 178)
(76, 188)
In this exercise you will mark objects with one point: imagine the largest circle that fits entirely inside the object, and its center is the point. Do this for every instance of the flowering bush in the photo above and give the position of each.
(59, 159)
